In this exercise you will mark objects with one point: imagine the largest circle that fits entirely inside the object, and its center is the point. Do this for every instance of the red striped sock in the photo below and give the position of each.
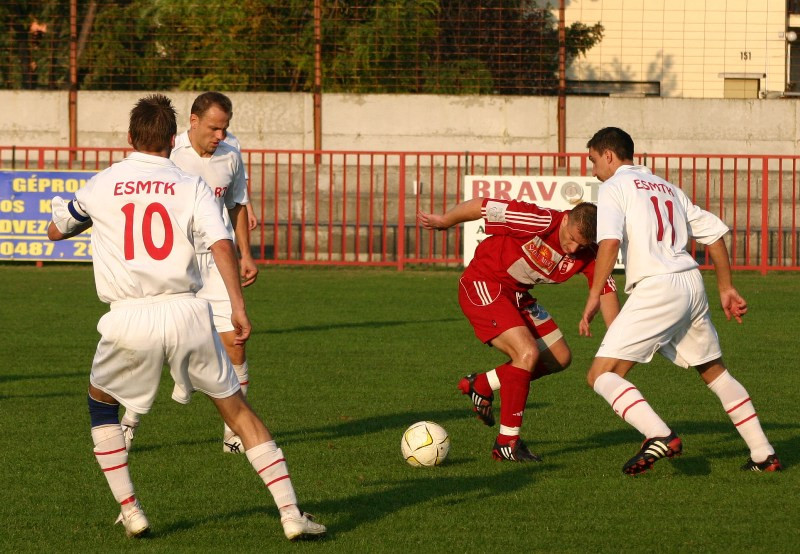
(268, 461)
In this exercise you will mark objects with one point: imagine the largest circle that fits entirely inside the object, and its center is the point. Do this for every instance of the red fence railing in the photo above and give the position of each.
(359, 208)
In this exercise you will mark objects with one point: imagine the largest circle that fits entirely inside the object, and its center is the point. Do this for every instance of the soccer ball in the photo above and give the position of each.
(425, 444)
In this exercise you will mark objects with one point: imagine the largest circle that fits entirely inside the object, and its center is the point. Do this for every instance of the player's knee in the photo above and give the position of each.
(527, 359)
(102, 413)
(592, 375)
(562, 362)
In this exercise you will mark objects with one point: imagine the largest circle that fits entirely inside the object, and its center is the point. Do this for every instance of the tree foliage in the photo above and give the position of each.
(397, 46)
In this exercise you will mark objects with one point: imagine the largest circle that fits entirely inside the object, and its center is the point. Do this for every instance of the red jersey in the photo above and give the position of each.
(523, 249)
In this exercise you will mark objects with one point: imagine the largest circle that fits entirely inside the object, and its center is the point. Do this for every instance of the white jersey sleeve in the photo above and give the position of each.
(237, 191)
(206, 224)
(704, 227)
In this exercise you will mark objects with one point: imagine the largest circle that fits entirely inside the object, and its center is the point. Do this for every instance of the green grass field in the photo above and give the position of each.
(342, 361)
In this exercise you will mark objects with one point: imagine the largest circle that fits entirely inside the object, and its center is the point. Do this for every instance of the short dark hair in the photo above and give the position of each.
(153, 124)
(204, 102)
(584, 216)
(614, 139)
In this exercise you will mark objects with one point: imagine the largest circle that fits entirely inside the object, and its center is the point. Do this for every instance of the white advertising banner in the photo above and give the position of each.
(557, 192)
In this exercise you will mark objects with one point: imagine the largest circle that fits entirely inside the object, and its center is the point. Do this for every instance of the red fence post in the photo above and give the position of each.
(764, 215)
(401, 214)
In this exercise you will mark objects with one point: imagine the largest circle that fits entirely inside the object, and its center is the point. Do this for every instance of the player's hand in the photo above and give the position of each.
(733, 304)
(248, 271)
(241, 327)
(433, 222)
(252, 222)
(591, 309)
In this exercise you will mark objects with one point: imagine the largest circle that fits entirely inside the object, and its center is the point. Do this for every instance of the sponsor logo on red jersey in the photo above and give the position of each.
(541, 254)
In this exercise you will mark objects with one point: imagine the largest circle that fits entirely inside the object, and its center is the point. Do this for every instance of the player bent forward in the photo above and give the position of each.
(527, 245)
(145, 268)
(667, 310)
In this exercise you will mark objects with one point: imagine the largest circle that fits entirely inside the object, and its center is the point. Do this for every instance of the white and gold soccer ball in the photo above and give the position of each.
(425, 444)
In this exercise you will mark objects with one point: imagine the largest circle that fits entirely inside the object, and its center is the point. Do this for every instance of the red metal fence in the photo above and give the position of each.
(359, 208)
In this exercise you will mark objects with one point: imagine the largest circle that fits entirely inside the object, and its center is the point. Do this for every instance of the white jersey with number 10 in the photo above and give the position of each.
(145, 215)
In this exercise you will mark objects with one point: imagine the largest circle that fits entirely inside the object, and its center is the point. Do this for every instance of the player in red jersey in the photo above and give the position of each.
(527, 245)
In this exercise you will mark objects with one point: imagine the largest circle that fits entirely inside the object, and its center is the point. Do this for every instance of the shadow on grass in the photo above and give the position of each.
(43, 376)
(387, 498)
(376, 424)
(352, 325)
(717, 436)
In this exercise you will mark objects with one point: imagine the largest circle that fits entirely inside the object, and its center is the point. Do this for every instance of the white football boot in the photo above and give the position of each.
(128, 431)
(133, 519)
(302, 527)
(233, 445)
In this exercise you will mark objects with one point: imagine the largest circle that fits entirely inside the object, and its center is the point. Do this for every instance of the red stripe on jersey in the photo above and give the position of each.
(621, 395)
(270, 465)
(631, 406)
(115, 467)
(109, 452)
(745, 420)
(278, 479)
(739, 405)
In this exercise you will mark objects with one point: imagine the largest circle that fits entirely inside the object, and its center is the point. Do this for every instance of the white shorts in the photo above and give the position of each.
(139, 336)
(667, 314)
(215, 293)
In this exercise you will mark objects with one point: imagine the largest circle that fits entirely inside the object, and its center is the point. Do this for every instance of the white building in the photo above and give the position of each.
(688, 48)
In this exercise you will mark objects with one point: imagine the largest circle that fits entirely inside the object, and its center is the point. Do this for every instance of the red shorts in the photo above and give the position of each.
(492, 309)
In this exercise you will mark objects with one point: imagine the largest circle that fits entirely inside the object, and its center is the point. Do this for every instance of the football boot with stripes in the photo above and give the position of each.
(772, 463)
(233, 445)
(481, 405)
(651, 451)
(514, 451)
(133, 519)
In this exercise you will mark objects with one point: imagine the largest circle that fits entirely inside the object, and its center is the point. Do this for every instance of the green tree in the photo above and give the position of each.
(394, 46)
(515, 41)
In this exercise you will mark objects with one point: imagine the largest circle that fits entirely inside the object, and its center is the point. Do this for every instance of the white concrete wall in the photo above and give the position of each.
(428, 123)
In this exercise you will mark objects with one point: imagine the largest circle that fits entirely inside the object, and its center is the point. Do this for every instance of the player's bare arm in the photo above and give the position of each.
(252, 220)
(466, 211)
(609, 307)
(732, 303)
(226, 261)
(248, 270)
(606, 258)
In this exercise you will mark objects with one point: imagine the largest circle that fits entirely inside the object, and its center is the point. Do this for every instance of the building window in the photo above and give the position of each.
(614, 88)
(742, 88)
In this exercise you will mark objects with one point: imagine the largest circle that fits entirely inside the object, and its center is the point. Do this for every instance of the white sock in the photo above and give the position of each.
(268, 461)
(109, 449)
(740, 408)
(629, 404)
(243, 376)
